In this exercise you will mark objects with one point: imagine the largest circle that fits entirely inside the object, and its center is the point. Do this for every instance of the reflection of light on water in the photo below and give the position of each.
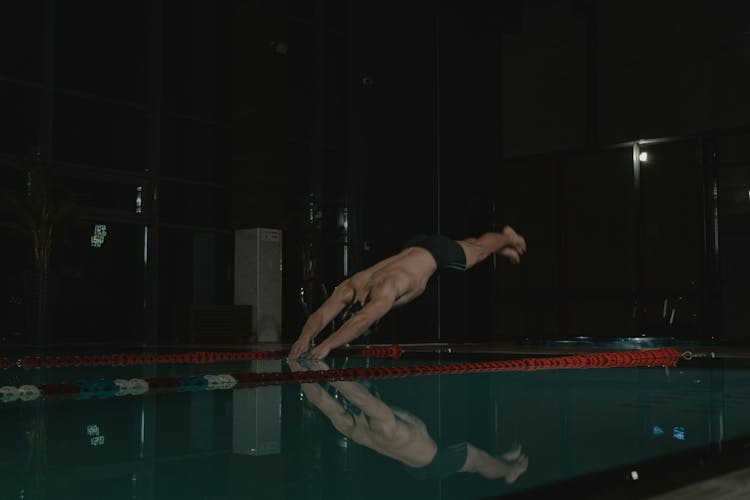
(93, 432)
(678, 432)
(143, 431)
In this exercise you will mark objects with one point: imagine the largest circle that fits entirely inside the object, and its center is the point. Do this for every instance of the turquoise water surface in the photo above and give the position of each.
(346, 439)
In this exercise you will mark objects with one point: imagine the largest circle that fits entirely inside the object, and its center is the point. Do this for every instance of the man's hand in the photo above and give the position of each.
(295, 366)
(300, 347)
(319, 352)
(318, 365)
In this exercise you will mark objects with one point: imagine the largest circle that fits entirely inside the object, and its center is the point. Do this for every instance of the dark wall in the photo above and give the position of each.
(648, 69)
(354, 125)
(127, 109)
(470, 107)
(579, 78)
(399, 127)
(394, 113)
(260, 118)
(463, 118)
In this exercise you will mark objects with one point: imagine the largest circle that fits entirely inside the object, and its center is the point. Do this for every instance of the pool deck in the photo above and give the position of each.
(734, 485)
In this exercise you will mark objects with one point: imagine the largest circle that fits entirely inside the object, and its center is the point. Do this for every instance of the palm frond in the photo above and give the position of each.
(40, 210)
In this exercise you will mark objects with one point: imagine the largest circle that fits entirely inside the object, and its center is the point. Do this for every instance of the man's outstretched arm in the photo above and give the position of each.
(355, 288)
(355, 326)
(319, 397)
(341, 297)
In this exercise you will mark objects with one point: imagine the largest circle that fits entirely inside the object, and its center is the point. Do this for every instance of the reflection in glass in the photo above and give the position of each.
(101, 284)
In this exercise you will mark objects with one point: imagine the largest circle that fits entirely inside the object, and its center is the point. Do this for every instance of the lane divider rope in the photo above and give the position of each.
(193, 358)
(104, 388)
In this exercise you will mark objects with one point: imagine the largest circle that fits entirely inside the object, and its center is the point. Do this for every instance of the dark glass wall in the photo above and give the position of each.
(126, 107)
(732, 176)
(352, 126)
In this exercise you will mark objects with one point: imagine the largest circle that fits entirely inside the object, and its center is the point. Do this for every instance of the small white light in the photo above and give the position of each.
(634, 475)
(748, 195)
(643, 156)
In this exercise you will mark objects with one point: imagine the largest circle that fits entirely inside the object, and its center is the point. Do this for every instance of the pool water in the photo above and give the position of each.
(277, 438)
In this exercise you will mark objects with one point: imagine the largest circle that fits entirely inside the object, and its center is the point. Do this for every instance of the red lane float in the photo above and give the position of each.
(194, 358)
(655, 357)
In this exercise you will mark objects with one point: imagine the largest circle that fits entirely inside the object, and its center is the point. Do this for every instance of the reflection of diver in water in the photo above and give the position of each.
(402, 436)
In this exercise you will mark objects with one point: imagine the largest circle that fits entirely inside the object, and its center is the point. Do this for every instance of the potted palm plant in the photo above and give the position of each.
(40, 211)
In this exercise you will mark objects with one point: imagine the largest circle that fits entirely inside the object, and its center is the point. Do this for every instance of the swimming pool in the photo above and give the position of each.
(215, 425)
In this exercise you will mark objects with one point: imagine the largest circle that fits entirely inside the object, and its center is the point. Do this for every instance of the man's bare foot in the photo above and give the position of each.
(512, 454)
(515, 240)
(511, 254)
(515, 247)
(516, 468)
(508, 466)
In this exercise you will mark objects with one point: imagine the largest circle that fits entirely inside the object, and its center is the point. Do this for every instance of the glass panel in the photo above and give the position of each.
(194, 268)
(669, 315)
(600, 210)
(187, 204)
(335, 14)
(103, 48)
(734, 248)
(302, 9)
(274, 8)
(99, 134)
(671, 237)
(19, 127)
(21, 39)
(601, 318)
(534, 213)
(536, 318)
(197, 58)
(93, 193)
(336, 90)
(734, 191)
(101, 283)
(11, 179)
(195, 150)
(17, 258)
(301, 101)
(542, 117)
(734, 148)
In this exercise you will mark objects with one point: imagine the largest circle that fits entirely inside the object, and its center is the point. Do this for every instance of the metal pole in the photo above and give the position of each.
(637, 222)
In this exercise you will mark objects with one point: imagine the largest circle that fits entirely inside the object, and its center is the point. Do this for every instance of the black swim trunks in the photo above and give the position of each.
(447, 252)
(447, 461)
